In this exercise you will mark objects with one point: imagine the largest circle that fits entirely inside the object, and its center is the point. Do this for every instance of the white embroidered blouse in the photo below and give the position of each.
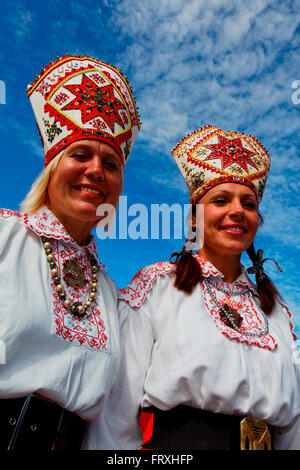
(45, 349)
(177, 350)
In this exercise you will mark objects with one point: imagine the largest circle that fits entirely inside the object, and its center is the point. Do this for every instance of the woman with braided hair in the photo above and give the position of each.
(205, 351)
(188, 271)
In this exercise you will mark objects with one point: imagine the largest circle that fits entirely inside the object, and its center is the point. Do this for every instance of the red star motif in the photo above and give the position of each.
(94, 101)
(231, 151)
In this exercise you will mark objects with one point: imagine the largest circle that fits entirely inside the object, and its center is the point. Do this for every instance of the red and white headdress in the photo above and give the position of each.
(211, 156)
(76, 98)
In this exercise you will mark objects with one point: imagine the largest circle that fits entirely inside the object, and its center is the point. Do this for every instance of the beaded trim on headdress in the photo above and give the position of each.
(80, 97)
(210, 156)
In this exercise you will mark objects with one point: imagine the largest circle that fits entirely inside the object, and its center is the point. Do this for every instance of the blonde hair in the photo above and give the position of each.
(38, 194)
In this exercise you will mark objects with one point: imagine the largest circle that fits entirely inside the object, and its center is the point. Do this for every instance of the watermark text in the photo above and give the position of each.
(2, 92)
(156, 222)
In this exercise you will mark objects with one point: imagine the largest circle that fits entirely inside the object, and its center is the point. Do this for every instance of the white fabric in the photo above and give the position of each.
(49, 351)
(175, 352)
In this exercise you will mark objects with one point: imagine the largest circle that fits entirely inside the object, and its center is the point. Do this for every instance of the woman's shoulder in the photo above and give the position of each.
(143, 282)
(283, 313)
(9, 219)
(11, 229)
(10, 215)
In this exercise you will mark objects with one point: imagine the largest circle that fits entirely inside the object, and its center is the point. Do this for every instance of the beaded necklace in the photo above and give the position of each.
(229, 316)
(77, 308)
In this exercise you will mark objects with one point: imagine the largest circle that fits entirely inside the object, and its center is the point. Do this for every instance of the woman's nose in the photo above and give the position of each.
(237, 209)
(95, 168)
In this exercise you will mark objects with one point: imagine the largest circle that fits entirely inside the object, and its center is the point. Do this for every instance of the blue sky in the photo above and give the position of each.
(190, 63)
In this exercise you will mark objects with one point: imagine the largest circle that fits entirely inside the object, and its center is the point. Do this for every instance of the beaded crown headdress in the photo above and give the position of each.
(210, 156)
(76, 98)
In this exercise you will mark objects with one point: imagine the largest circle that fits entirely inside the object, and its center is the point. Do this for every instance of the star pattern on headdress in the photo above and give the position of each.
(95, 101)
(231, 151)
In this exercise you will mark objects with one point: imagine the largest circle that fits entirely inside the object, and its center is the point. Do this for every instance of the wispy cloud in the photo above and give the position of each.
(20, 20)
(201, 59)
(232, 65)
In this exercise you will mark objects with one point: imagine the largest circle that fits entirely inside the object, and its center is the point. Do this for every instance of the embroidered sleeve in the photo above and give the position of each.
(285, 308)
(136, 292)
(6, 213)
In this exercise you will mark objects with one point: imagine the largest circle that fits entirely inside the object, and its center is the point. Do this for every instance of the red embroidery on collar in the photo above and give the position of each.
(136, 292)
(209, 269)
(44, 223)
(91, 330)
(6, 213)
(252, 320)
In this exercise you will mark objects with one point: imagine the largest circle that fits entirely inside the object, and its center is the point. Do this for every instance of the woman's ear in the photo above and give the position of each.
(196, 223)
(191, 218)
(194, 220)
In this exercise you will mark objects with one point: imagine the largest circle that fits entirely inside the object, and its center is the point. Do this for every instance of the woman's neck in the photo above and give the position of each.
(79, 234)
(228, 265)
(78, 230)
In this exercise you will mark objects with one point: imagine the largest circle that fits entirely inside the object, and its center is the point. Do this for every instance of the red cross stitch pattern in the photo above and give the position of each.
(61, 98)
(231, 151)
(94, 101)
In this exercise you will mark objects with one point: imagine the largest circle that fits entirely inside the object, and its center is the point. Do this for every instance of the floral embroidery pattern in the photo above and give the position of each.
(74, 90)
(61, 98)
(93, 101)
(52, 130)
(97, 78)
(252, 320)
(231, 150)
(141, 284)
(209, 156)
(6, 213)
(98, 124)
(290, 320)
(91, 330)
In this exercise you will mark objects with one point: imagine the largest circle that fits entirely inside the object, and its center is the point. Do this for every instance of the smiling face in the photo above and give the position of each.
(88, 174)
(230, 220)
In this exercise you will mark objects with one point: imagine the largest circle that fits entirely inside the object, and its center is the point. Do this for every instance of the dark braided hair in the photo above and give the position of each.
(267, 291)
(187, 271)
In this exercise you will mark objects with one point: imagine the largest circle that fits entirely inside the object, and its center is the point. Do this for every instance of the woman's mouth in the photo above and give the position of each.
(89, 190)
(235, 229)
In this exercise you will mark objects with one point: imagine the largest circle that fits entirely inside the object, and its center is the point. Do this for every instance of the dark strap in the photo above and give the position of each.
(30, 423)
(188, 428)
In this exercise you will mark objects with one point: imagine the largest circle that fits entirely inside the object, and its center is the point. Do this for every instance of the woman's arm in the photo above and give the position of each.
(288, 438)
(118, 425)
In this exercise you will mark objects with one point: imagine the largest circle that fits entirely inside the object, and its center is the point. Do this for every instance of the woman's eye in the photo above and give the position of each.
(220, 201)
(111, 164)
(80, 156)
(250, 205)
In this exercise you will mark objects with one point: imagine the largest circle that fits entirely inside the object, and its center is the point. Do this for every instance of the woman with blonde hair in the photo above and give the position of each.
(59, 328)
(206, 352)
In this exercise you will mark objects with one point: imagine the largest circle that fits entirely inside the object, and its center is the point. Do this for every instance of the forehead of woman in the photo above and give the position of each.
(92, 145)
(230, 189)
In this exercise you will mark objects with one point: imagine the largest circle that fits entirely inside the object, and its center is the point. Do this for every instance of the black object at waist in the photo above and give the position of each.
(188, 428)
(31, 423)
